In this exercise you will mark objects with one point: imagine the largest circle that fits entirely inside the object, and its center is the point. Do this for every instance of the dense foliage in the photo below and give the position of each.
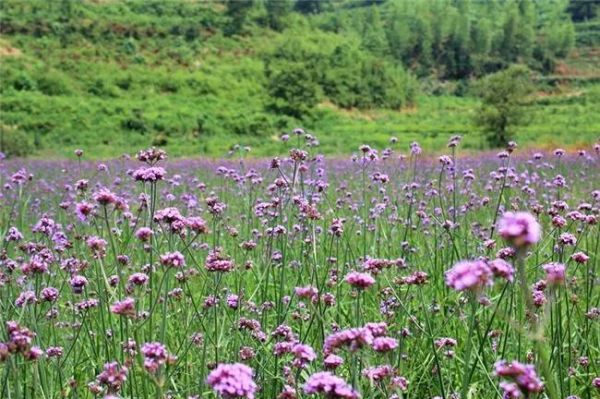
(197, 77)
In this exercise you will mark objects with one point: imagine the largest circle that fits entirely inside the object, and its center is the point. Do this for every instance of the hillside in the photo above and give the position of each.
(199, 77)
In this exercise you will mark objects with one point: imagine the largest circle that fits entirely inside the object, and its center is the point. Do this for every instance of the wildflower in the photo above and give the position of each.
(303, 354)
(520, 229)
(126, 307)
(359, 280)
(78, 283)
(502, 269)
(378, 373)
(469, 275)
(523, 376)
(144, 234)
(384, 344)
(332, 386)
(155, 355)
(354, 338)
(217, 262)
(150, 174)
(580, 257)
(173, 259)
(232, 381)
(49, 294)
(112, 377)
(555, 273)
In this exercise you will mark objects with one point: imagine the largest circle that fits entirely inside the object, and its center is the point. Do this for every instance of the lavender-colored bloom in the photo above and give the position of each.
(520, 229)
(144, 234)
(173, 259)
(469, 275)
(232, 381)
(217, 262)
(112, 376)
(49, 294)
(384, 344)
(126, 307)
(155, 355)
(359, 280)
(502, 269)
(555, 273)
(331, 386)
(522, 375)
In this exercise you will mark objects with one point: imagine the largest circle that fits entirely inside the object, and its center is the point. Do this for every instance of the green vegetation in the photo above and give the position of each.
(503, 94)
(198, 77)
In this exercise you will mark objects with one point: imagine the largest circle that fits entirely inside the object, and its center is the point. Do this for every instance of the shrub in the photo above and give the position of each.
(14, 142)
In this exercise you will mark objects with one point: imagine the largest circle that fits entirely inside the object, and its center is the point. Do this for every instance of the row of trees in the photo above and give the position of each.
(452, 39)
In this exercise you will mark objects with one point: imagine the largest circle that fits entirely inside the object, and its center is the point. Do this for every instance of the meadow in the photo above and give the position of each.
(392, 273)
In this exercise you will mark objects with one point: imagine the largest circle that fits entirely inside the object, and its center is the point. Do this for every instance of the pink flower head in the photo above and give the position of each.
(126, 307)
(469, 275)
(232, 381)
(173, 259)
(217, 262)
(555, 273)
(502, 269)
(523, 376)
(359, 280)
(155, 355)
(520, 229)
(384, 344)
(331, 386)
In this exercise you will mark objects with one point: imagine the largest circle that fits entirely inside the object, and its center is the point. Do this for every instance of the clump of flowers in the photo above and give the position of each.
(232, 381)
(521, 229)
(522, 379)
(331, 386)
(469, 275)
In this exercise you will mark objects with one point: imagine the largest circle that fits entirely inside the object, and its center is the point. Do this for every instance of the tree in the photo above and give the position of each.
(293, 90)
(237, 10)
(503, 94)
(277, 10)
(311, 6)
(583, 10)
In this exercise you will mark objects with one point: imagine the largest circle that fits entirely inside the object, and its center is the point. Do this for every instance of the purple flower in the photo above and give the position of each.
(523, 377)
(520, 229)
(144, 234)
(384, 344)
(217, 262)
(469, 275)
(502, 269)
(555, 273)
(232, 381)
(150, 174)
(331, 386)
(359, 280)
(126, 307)
(112, 377)
(173, 259)
(155, 355)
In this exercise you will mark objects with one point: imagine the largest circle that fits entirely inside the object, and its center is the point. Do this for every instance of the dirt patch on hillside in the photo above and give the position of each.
(8, 51)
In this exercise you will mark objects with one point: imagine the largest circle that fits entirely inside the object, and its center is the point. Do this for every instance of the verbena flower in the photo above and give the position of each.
(520, 229)
(232, 381)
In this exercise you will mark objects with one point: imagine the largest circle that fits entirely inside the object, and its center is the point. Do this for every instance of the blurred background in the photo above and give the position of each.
(198, 77)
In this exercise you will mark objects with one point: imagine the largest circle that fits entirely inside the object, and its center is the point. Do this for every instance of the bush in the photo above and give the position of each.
(502, 95)
(14, 143)
(294, 91)
(53, 84)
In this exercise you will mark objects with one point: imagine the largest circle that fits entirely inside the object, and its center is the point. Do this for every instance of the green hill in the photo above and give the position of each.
(198, 77)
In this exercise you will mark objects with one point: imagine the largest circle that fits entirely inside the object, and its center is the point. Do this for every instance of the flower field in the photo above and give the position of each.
(393, 274)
